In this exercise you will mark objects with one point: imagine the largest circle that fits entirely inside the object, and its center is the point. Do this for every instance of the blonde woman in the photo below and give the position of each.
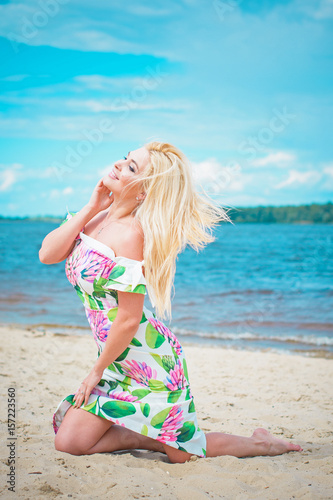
(137, 395)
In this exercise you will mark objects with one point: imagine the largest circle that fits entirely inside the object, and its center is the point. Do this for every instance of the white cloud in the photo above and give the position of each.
(217, 178)
(9, 176)
(279, 159)
(124, 104)
(14, 78)
(328, 170)
(319, 10)
(296, 177)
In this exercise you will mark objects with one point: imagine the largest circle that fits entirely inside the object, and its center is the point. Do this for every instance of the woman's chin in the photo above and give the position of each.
(107, 181)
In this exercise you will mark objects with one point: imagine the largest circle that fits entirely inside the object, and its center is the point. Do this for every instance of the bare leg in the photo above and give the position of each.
(119, 438)
(260, 443)
(82, 433)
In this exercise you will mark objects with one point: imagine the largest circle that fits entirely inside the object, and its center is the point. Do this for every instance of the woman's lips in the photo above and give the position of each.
(113, 176)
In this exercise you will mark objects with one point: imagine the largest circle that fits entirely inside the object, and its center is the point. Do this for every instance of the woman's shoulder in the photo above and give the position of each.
(130, 242)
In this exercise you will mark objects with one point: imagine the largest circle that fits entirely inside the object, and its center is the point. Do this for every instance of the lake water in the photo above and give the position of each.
(257, 286)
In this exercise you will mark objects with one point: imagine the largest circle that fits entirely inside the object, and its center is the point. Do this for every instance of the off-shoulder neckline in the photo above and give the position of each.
(104, 249)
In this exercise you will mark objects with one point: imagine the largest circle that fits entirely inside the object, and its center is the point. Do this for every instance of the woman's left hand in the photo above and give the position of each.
(84, 391)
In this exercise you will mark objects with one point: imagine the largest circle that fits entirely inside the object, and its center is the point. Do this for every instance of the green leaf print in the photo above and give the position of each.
(116, 272)
(157, 385)
(91, 302)
(135, 342)
(140, 289)
(141, 393)
(185, 369)
(153, 338)
(158, 420)
(174, 396)
(145, 408)
(191, 408)
(112, 385)
(157, 358)
(127, 381)
(98, 302)
(143, 319)
(79, 292)
(112, 313)
(144, 430)
(188, 395)
(91, 407)
(112, 368)
(98, 286)
(119, 367)
(168, 363)
(123, 355)
(186, 432)
(118, 409)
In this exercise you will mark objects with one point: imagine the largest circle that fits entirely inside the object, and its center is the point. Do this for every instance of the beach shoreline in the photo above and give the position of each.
(235, 391)
(291, 347)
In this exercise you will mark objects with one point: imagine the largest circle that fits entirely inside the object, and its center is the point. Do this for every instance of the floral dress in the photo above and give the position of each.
(146, 389)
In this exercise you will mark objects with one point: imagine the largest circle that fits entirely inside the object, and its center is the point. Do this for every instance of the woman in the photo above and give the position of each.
(137, 394)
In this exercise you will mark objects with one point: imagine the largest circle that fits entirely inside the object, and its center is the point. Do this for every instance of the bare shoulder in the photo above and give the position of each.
(131, 241)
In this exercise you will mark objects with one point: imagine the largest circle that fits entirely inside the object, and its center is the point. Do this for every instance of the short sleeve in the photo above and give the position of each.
(68, 217)
(126, 276)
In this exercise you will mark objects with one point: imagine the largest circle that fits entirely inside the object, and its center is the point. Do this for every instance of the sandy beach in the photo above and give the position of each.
(234, 391)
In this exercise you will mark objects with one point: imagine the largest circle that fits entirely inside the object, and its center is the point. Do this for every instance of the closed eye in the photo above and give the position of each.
(131, 168)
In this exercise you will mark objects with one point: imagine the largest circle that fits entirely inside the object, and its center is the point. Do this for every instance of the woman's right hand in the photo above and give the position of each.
(100, 198)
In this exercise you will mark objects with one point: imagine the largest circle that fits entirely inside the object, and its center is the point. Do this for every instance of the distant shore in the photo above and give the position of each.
(235, 392)
(313, 213)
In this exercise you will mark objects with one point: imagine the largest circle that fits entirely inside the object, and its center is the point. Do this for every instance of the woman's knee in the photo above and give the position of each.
(66, 444)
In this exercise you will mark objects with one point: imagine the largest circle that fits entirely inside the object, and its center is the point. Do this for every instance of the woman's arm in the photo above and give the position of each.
(122, 331)
(58, 244)
(124, 326)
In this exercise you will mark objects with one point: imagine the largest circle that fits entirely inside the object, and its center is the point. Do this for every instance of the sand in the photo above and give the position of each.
(235, 392)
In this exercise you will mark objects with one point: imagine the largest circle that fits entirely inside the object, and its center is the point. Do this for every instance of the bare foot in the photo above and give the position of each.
(274, 445)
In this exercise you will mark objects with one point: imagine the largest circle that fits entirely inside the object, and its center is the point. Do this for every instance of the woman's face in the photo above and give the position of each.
(125, 171)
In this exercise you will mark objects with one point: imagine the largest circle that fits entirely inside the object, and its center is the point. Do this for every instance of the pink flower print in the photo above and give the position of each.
(55, 428)
(98, 392)
(92, 264)
(140, 372)
(171, 337)
(109, 265)
(171, 425)
(99, 324)
(122, 396)
(74, 263)
(176, 378)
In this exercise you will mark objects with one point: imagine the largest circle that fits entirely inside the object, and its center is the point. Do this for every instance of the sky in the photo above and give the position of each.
(243, 88)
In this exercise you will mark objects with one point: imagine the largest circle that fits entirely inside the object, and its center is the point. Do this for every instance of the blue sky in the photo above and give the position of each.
(244, 88)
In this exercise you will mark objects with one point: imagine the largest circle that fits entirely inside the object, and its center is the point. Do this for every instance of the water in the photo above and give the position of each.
(257, 286)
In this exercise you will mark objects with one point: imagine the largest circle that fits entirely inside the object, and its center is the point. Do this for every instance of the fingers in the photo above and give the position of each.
(79, 396)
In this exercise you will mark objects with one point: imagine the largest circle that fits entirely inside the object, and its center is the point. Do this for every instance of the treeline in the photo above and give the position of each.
(302, 214)
(290, 214)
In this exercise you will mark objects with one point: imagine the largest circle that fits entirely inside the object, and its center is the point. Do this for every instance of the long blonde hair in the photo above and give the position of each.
(173, 215)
